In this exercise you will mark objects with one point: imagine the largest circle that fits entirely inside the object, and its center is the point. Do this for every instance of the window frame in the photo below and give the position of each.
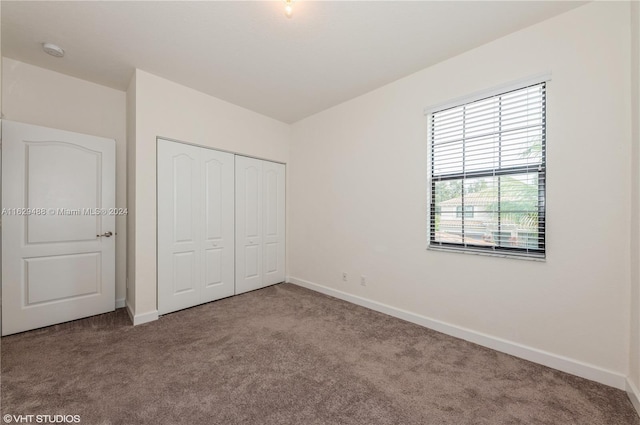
(502, 251)
(468, 211)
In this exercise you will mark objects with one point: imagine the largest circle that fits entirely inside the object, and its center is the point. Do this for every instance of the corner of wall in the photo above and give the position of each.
(634, 395)
(633, 381)
(288, 209)
(131, 195)
(140, 318)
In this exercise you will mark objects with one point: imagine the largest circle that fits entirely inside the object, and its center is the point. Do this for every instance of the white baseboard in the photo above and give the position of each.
(130, 312)
(564, 364)
(139, 319)
(634, 395)
(120, 303)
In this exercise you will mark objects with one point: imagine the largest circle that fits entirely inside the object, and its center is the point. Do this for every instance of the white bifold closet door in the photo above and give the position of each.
(260, 223)
(195, 225)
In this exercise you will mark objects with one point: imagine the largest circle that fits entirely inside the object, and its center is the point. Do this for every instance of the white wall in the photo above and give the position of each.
(166, 109)
(634, 358)
(38, 96)
(359, 197)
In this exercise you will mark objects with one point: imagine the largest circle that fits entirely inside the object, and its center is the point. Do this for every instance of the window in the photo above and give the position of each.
(468, 211)
(487, 160)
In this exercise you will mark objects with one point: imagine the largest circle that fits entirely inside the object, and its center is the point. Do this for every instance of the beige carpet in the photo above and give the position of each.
(286, 355)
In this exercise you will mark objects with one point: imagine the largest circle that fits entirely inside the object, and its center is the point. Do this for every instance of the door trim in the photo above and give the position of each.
(169, 139)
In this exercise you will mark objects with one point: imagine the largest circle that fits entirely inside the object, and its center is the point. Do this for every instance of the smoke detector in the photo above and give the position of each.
(53, 50)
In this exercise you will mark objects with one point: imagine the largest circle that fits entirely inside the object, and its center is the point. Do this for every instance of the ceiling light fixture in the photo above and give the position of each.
(288, 8)
(53, 50)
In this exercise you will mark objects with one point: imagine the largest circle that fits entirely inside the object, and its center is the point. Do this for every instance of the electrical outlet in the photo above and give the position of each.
(344, 276)
(363, 280)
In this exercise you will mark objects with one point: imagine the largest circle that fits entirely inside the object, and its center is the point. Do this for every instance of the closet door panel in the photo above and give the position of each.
(274, 222)
(179, 247)
(248, 224)
(218, 224)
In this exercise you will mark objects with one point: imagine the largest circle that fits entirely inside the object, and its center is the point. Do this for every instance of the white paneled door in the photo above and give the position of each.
(58, 226)
(273, 225)
(260, 223)
(248, 224)
(195, 225)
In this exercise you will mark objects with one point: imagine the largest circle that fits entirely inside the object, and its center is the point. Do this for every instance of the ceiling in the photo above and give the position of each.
(248, 53)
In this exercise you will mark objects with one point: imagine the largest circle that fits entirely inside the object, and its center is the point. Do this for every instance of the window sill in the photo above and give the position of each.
(470, 251)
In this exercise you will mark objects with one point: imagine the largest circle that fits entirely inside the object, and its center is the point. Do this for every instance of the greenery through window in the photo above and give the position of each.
(488, 161)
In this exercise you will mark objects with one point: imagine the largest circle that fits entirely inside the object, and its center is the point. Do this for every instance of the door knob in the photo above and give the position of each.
(106, 235)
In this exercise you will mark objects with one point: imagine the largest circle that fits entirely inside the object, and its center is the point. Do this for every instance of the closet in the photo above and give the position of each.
(221, 222)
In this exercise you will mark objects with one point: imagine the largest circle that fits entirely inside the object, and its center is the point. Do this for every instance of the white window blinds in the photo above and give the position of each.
(487, 161)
